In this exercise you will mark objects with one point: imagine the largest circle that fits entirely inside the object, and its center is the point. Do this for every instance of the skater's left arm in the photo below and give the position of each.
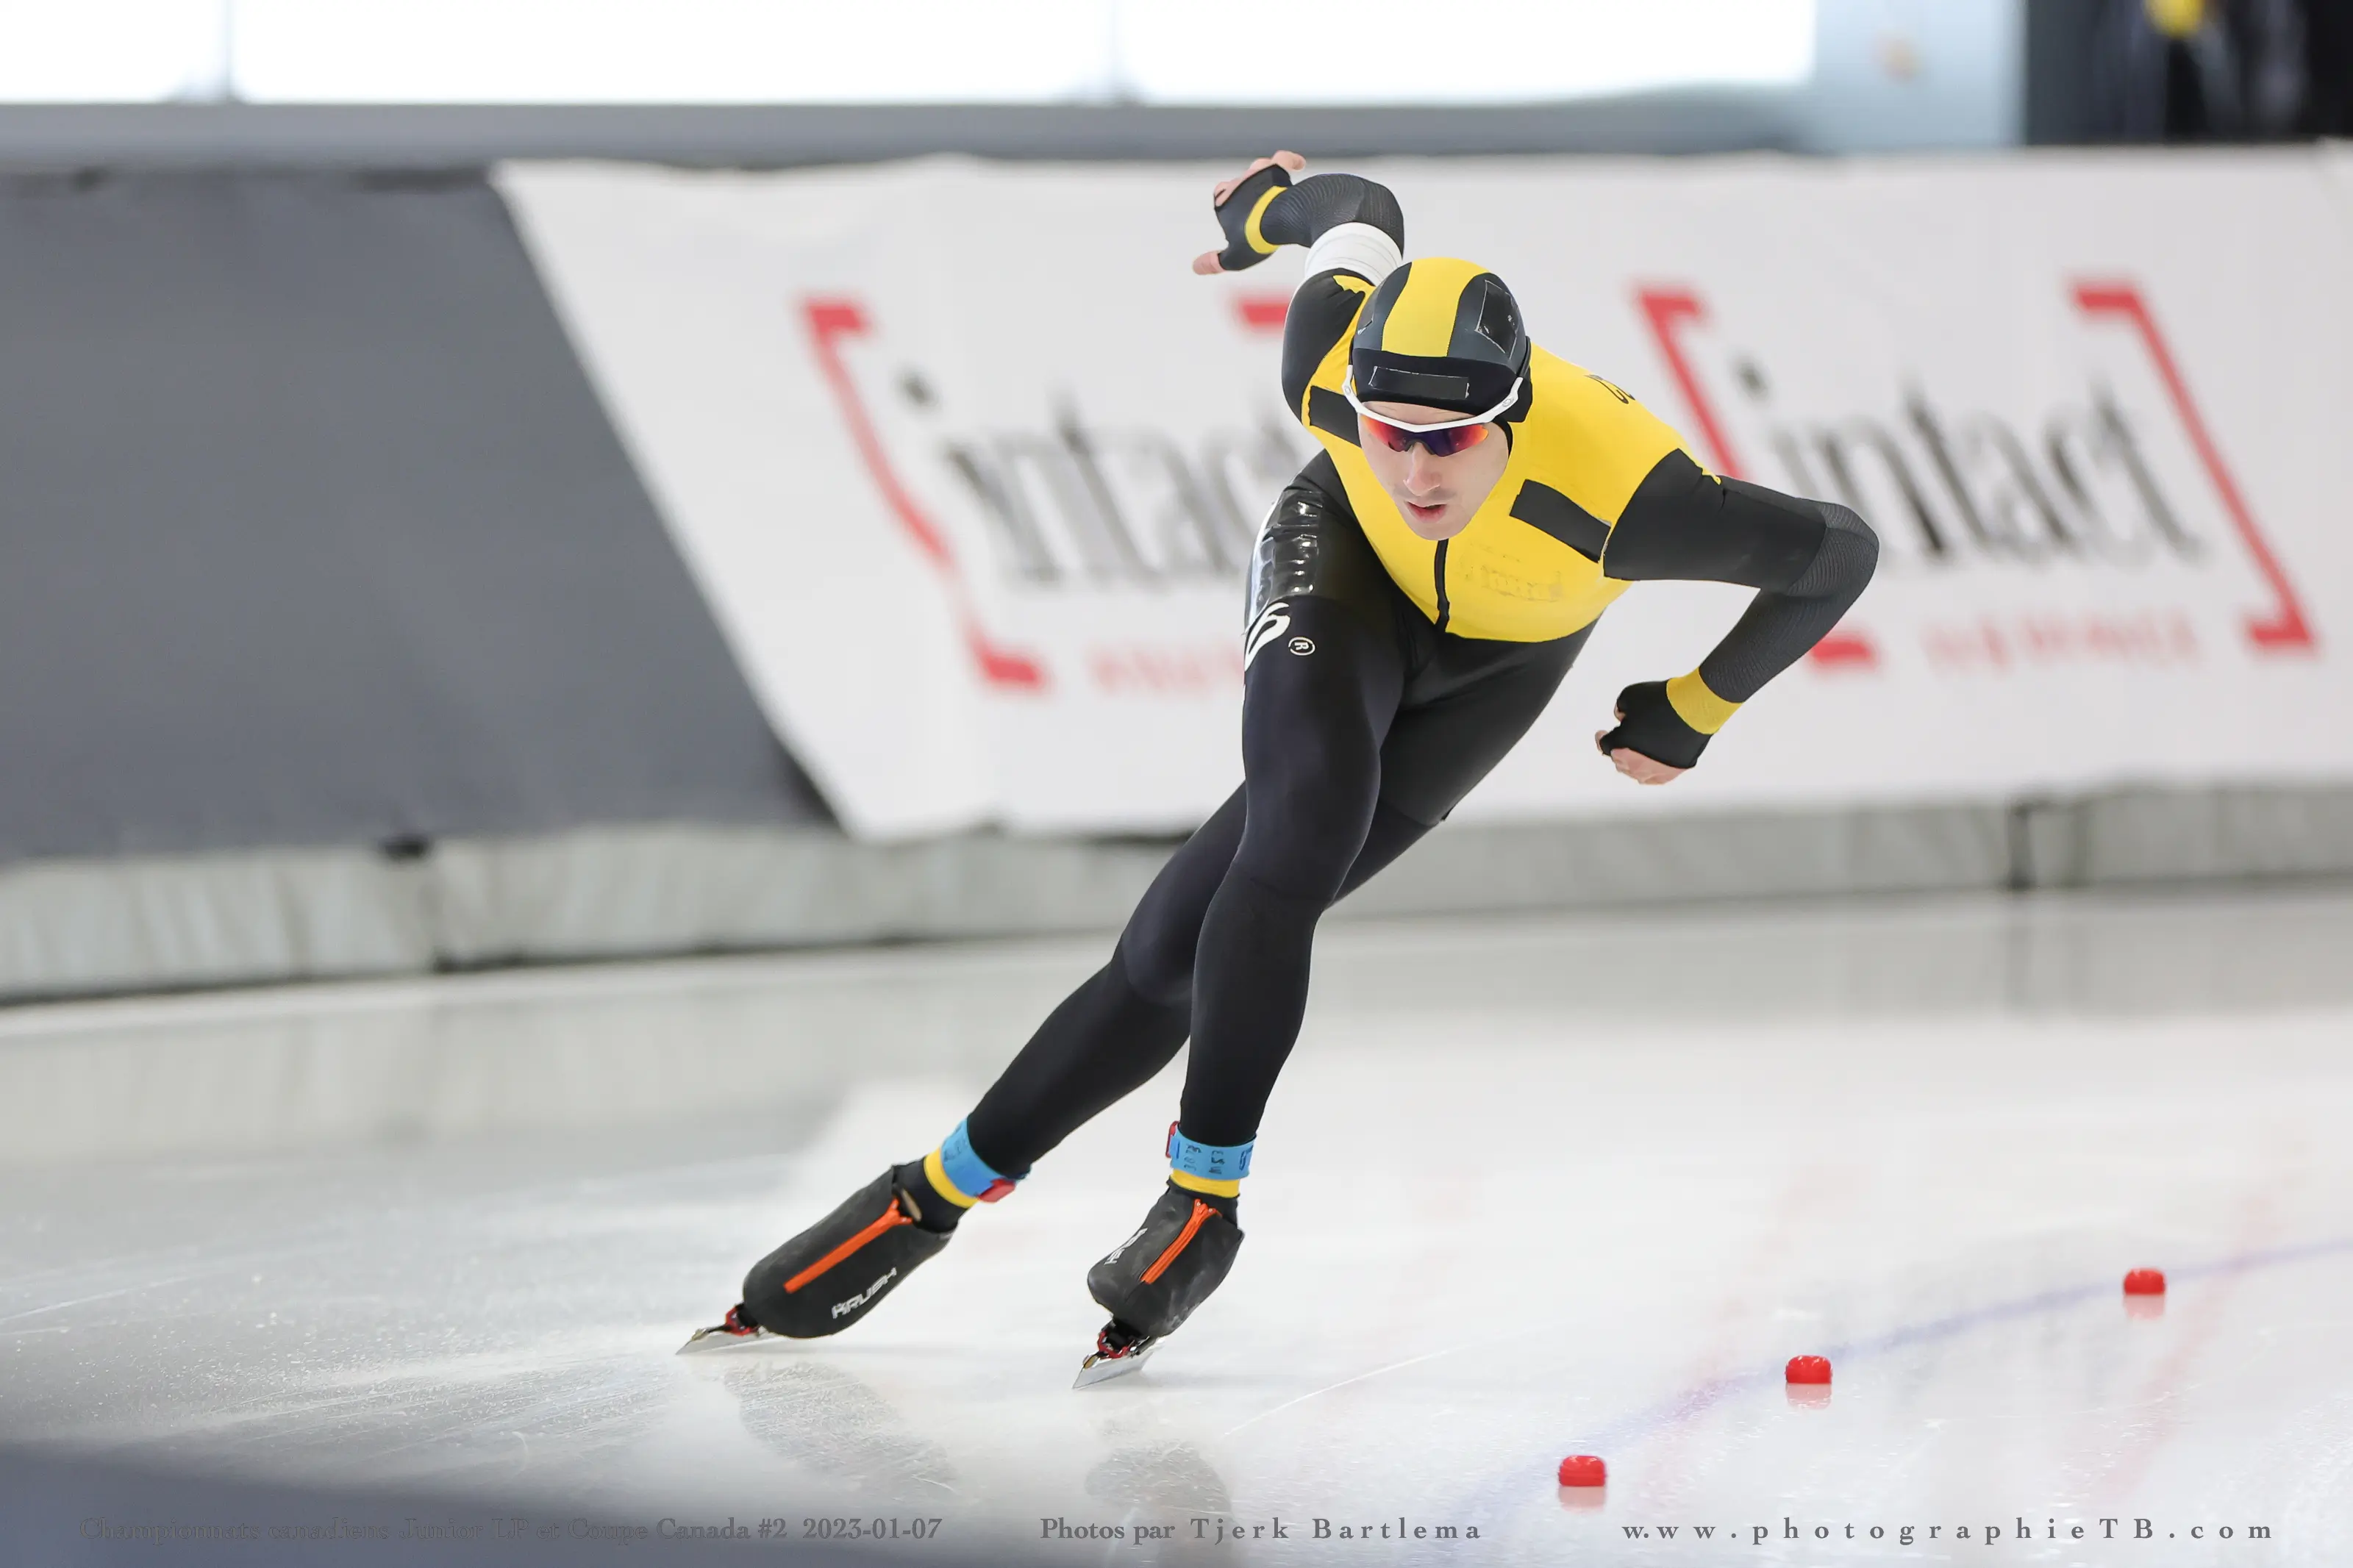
(1354, 232)
(1808, 560)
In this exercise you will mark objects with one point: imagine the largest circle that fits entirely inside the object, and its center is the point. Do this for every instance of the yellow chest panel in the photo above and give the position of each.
(1528, 566)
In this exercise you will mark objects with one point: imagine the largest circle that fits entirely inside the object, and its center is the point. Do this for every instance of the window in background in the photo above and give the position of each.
(668, 51)
(756, 51)
(1412, 51)
(1894, 74)
(99, 51)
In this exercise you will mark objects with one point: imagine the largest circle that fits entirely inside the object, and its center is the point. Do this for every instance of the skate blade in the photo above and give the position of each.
(722, 1337)
(1101, 1368)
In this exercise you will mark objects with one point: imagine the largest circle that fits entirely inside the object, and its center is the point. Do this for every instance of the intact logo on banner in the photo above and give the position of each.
(2116, 480)
(1076, 507)
(2124, 477)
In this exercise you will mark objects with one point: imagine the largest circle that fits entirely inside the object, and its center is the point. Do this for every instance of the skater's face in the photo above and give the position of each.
(1437, 494)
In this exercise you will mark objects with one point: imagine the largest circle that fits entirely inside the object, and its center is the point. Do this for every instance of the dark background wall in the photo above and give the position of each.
(2098, 70)
(311, 530)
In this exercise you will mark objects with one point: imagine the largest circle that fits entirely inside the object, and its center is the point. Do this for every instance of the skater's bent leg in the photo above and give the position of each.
(1316, 701)
(1313, 723)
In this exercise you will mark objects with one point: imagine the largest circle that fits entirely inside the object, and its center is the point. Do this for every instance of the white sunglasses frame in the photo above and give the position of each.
(1348, 390)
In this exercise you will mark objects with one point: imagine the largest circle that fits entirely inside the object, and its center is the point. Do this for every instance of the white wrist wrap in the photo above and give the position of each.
(1357, 247)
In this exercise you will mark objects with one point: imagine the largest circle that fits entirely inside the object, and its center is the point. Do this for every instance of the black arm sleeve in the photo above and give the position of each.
(1302, 215)
(1779, 629)
(1809, 560)
(1314, 208)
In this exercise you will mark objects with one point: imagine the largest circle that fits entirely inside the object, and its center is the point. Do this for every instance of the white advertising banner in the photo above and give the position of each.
(969, 463)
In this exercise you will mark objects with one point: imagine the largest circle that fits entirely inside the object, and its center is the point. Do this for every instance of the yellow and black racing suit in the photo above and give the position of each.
(1387, 674)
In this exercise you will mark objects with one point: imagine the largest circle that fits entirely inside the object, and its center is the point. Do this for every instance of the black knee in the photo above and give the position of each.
(1156, 950)
(1391, 835)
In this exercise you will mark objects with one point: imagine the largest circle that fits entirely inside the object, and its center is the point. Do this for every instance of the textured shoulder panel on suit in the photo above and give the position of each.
(1547, 510)
(1683, 525)
(1321, 202)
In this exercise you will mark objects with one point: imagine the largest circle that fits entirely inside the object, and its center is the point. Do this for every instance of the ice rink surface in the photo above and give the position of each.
(1528, 1188)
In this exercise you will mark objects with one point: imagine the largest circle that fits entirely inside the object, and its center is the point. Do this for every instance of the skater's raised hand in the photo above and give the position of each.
(1239, 252)
(1225, 189)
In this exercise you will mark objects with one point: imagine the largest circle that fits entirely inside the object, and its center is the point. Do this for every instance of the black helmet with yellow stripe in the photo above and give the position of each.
(1445, 333)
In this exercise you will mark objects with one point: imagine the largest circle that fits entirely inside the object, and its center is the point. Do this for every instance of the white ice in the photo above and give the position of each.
(1527, 1189)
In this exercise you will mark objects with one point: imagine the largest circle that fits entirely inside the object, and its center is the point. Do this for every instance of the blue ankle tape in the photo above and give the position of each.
(1215, 1161)
(972, 1175)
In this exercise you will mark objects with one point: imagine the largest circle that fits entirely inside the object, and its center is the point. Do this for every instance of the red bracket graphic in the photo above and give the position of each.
(2282, 627)
(1666, 309)
(829, 322)
(1262, 312)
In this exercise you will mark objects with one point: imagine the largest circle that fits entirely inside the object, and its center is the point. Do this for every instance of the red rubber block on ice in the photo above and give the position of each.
(1809, 1369)
(2145, 1282)
(1584, 1470)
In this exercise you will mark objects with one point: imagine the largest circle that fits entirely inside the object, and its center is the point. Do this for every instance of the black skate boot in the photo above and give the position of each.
(1151, 1282)
(833, 1273)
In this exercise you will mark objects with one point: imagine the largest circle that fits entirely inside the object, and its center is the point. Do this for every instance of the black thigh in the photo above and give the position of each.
(1318, 700)
(1314, 583)
(1462, 711)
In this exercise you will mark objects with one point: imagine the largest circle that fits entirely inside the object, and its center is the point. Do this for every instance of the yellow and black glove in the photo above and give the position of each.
(1653, 727)
(1242, 213)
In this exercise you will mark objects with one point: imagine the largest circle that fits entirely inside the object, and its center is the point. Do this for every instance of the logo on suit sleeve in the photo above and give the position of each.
(1271, 622)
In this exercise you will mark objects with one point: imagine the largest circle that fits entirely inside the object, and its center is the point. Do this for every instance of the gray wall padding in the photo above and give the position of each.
(527, 1052)
(651, 890)
(141, 923)
(312, 533)
(788, 135)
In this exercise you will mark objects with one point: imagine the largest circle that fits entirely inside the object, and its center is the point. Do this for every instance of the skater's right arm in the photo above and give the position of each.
(1355, 235)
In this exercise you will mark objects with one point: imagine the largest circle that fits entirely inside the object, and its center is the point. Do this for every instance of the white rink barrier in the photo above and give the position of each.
(968, 464)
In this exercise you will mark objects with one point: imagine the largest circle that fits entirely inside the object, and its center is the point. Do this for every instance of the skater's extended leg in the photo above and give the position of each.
(1112, 1033)
(1126, 1020)
(1107, 1038)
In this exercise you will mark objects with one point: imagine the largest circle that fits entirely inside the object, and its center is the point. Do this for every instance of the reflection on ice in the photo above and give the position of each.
(1160, 1479)
(830, 1424)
